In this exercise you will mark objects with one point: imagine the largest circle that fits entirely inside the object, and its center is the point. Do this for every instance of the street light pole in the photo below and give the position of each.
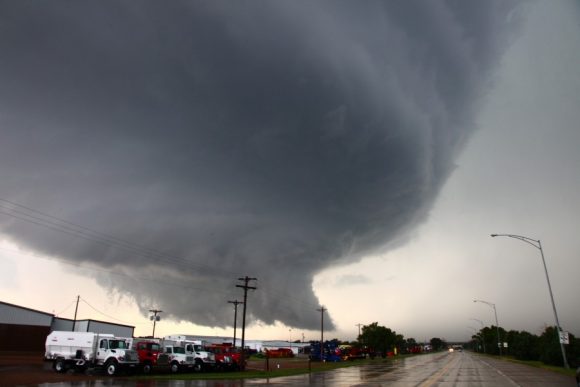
(538, 245)
(496, 323)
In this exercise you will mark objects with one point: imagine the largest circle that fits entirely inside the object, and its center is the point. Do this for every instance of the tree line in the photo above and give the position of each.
(524, 345)
(521, 345)
(382, 341)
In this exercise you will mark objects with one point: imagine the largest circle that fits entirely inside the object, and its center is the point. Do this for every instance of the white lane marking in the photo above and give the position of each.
(513, 382)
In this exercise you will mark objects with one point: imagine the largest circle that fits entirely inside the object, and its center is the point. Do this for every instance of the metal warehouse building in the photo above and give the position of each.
(25, 330)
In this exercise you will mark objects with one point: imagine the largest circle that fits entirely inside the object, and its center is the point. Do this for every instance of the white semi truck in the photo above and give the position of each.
(175, 358)
(203, 360)
(83, 350)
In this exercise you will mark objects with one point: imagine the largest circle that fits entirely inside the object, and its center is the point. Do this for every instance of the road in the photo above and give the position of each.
(459, 369)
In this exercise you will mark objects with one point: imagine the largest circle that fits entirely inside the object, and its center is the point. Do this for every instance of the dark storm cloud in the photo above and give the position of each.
(269, 139)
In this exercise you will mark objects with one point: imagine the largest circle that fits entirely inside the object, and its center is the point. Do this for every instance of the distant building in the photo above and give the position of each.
(25, 330)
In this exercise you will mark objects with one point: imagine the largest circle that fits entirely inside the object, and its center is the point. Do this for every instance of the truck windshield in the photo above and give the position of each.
(197, 347)
(117, 344)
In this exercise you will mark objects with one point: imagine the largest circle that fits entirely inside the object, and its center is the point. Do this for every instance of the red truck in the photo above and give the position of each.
(148, 352)
(227, 358)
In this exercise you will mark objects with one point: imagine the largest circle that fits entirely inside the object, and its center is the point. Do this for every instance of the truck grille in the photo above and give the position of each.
(189, 359)
(131, 356)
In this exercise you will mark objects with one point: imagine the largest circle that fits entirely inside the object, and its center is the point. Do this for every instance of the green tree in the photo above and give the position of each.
(437, 344)
(550, 351)
(549, 347)
(573, 352)
(489, 336)
(379, 339)
(523, 345)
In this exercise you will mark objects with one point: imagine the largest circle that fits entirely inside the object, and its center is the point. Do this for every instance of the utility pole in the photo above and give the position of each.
(155, 318)
(76, 309)
(236, 303)
(358, 325)
(321, 310)
(245, 286)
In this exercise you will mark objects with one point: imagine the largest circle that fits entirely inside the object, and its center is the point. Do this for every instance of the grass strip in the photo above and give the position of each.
(251, 374)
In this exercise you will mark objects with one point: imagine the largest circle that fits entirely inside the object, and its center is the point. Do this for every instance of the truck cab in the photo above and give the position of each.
(175, 358)
(115, 354)
(203, 359)
(148, 352)
(227, 357)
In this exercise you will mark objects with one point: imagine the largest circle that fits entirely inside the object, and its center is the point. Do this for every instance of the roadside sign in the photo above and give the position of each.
(564, 337)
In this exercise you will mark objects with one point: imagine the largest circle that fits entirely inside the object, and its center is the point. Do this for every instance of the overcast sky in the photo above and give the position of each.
(351, 156)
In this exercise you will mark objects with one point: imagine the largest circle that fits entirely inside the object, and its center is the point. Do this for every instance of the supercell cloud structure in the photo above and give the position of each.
(268, 139)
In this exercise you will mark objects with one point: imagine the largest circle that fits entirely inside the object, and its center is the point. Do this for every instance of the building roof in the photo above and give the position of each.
(53, 318)
(97, 321)
(28, 309)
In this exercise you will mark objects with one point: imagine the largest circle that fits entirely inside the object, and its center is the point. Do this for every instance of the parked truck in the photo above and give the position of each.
(203, 360)
(175, 357)
(227, 358)
(148, 352)
(83, 350)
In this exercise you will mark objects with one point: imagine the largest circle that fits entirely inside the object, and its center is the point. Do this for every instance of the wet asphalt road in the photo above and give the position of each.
(460, 369)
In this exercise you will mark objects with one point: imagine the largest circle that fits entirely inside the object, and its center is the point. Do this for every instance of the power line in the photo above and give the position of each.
(65, 309)
(52, 222)
(179, 285)
(42, 219)
(103, 313)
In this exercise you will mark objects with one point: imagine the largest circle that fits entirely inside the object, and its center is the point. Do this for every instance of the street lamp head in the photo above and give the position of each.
(493, 235)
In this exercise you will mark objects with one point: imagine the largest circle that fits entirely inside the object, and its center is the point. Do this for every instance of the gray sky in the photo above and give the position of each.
(356, 157)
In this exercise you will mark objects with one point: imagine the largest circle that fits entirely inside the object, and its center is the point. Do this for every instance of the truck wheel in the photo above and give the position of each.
(59, 365)
(146, 368)
(198, 366)
(111, 367)
(174, 367)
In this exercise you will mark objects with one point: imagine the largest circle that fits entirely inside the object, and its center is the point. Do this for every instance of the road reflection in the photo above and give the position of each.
(436, 369)
(340, 377)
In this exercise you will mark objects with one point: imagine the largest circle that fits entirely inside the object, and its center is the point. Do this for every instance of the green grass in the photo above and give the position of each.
(539, 364)
(253, 374)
